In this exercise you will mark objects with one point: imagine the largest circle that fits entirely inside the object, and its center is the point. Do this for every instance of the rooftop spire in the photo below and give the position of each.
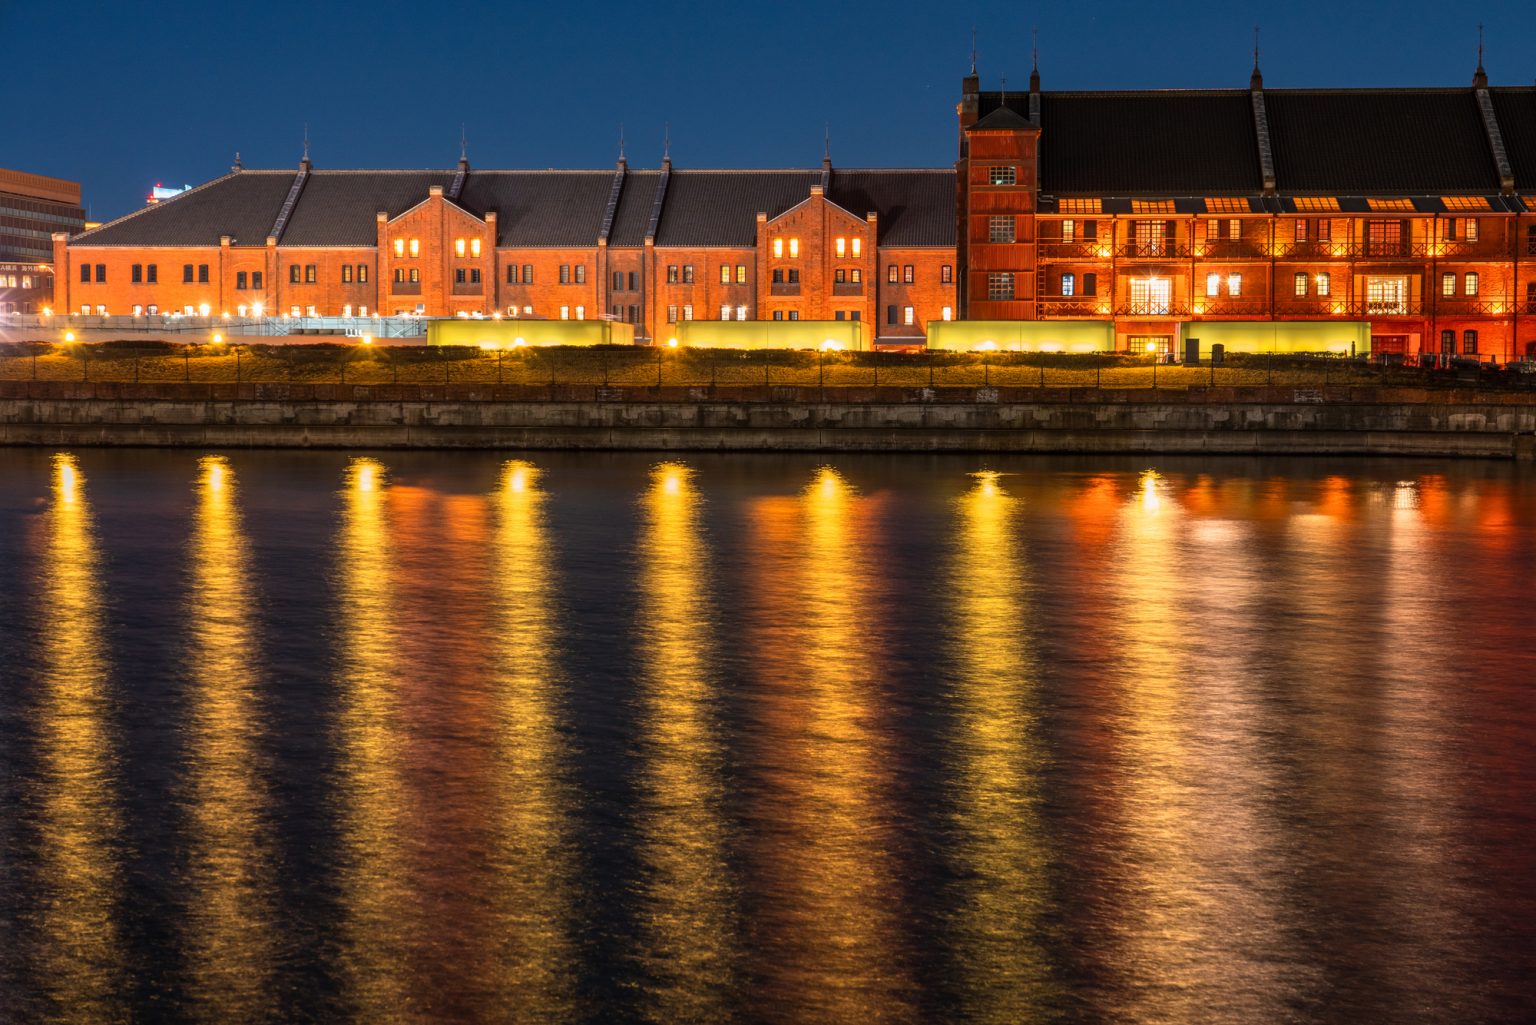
(826, 143)
(1479, 77)
(304, 163)
(1256, 80)
(666, 144)
(973, 49)
(1034, 60)
(463, 144)
(237, 166)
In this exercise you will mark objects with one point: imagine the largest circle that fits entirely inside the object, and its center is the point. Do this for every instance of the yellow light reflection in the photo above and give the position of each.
(828, 931)
(230, 915)
(79, 950)
(370, 814)
(533, 882)
(688, 912)
(998, 760)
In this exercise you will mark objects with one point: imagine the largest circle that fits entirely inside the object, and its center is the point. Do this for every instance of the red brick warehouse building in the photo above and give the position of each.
(1408, 212)
(1410, 209)
(648, 247)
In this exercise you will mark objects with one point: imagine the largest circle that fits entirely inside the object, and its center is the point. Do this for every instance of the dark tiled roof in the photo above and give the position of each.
(340, 208)
(1148, 143)
(243, 205)
(720, 208)
(634, 208)
(1379, 142)
(541, 208)
(1516, 111)
(1004, 117)
(916, 206)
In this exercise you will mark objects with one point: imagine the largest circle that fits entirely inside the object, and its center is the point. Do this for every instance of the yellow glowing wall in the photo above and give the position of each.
(1022, 335)
(507, 334)
(1344, 337)
(847, 335)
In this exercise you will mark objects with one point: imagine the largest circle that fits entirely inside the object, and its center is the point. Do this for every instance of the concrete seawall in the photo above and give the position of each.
(1278, 421)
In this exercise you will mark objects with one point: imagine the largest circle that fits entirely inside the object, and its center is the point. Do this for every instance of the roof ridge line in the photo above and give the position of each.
(157, 206)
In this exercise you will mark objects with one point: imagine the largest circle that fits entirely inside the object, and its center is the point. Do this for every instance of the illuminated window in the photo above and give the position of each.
(1213, 284)
(1152, 206)
(138, 311)
(311, 274)
(1448, 283)
(725, 311)
(1464, 202)
(1226, 205)
(1080, 206)
(908, 316)
(890, 274)
(948, 313)
(741, 313)
(1390, 204)
(565, 313)
(725, 274)
(459, 247)
(474, 247)
(1002, 175)
(687, 312)
(840, 247)
(416, 275)
(1316, 203)
(794, 247)
(1299, 227)
(1301, 283)
(295, 273)
(907, 274)
(400, 247)
(778, 314)
(778, 247)
(1069, 231)
(687, 274)
(672, 274)
(581, 274)
(1000, 228)
(856, 246)
(1234, 228)
(1322, 283)
(1234, 284)
(741, 269)
(794, 314)
(1069, 284)
(346, 275)
(671, 314)
(346, 311)
(855, 275)
(1000, 286)
(839, 276)
(1474, 229)
(947, 274)
(415, 247)
(581, 313)
(1470, 283)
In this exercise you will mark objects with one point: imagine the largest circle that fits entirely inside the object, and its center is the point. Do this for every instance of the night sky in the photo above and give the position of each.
(123, 95)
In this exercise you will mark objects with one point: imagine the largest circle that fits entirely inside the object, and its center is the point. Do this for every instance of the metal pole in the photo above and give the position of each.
(237, 369)
(499, 354)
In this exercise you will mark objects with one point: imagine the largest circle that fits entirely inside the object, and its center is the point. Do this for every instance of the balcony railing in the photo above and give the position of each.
(1235, 249)
(1215, 308)
(1152, 309)
(784, 288)
(846, 288)
(1169, 250)
(1087, 306)
(405, 287)
(1086, 250)
(1487, 306)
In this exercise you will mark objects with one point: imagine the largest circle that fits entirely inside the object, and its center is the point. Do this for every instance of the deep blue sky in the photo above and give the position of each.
(122, 95)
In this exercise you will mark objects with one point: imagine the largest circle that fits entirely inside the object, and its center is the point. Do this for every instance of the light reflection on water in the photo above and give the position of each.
(230, 922)
(77, 956)
(600, 739)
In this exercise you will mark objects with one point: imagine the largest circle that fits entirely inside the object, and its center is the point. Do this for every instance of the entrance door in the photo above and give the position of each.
(1385, 345)
(1386, 296)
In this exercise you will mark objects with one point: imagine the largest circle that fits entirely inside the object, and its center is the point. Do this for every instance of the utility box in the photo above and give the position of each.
(1191, 350)
(1218, 354)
